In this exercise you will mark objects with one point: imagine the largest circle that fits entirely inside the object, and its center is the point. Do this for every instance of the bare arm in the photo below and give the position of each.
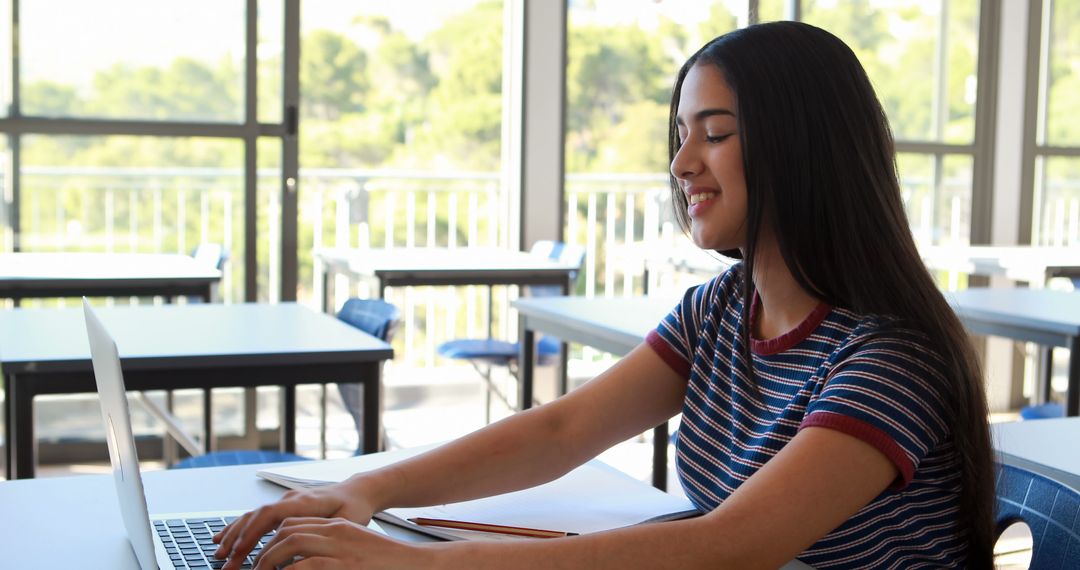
(820, 479)
(540, 444)
(524, 450)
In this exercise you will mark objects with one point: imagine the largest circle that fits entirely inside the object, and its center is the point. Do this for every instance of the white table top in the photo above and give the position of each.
(1034, 264)
(615, 324)
(1051, 442)
(1042, 309)
(438, 259)
(98, 266)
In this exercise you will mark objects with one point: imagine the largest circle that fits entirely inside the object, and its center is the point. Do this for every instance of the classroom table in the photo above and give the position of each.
(1043, 316)
(45, 351)
(401, 267)
(39, 275)
(611, 324)
(1049, 443)
(62, 522)
(1032, 264)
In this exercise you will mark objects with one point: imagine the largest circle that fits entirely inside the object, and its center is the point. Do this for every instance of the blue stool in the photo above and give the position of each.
(1043, 411)
(238, 457)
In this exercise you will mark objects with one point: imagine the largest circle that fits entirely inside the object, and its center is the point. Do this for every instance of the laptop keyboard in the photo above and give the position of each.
(188, 544)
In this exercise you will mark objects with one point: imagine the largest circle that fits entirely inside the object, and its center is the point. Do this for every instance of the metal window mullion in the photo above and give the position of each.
(290, 152)
(14, 140)
(1046, 150)
(251, 145)
(986, 98)
(929, 147)
(752, 16)
(1031, 114)
(794, 10)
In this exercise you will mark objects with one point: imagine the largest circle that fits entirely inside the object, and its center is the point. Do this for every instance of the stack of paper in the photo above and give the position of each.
(592, 498)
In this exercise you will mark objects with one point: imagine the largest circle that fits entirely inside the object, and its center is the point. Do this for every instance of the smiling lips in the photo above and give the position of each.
(701, 197)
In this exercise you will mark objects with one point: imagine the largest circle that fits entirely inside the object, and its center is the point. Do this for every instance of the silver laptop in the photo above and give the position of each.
(171, 541)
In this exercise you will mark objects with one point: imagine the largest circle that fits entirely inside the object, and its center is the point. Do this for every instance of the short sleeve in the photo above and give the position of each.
(676, 337)
(886, 392)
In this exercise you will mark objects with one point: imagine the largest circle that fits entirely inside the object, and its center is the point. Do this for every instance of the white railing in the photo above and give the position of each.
(619, 218)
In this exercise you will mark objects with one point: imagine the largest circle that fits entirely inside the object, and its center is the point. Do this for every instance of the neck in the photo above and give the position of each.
(784, 303)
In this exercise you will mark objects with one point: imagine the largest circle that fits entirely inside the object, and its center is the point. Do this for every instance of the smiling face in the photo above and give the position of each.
(708, 165)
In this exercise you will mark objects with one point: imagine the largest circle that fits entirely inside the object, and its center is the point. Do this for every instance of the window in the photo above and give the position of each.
(622, 58)
(921, 56)
(188, 67)
(1057, 154)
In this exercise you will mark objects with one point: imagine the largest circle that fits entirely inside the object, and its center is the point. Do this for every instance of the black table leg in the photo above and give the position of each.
(659, 458)
(288, 418)
(372, 410)
(1072, 395)
(208, 420)
(9, 441)
(23, 460)
(527, 361)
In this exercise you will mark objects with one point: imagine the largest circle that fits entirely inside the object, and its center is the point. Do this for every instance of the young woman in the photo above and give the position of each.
(832, 408)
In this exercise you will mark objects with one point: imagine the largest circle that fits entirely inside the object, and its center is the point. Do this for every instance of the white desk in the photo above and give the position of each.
(1033, 264)
(30, 275)
(1053, 443)
(72, 522)
(401, 267)
(1044, 316)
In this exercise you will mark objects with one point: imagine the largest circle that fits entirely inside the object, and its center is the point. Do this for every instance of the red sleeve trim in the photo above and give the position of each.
(668, 354)
(881, 441)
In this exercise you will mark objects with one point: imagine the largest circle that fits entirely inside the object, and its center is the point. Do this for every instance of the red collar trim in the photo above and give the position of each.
(790, 338)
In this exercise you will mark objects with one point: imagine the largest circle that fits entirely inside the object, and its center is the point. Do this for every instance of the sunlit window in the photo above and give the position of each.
(77, 59)
(1057, 162)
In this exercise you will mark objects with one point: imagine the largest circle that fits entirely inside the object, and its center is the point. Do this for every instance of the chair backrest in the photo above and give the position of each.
(1049, 507)
(373, 316)
(210, 254)
(569, 254)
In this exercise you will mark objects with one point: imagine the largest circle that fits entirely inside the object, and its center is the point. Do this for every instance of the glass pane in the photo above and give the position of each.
(1057, 201)
(5, 57)
(268, 223)
(622, 61)
(401, 125)
(899, 40)
(772, 10)
(7, 238)
(936, 191)
(130, 59)
(1063, 116)
(270, 50)
(134, 194)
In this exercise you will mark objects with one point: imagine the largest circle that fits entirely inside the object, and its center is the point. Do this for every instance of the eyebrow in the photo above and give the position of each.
(704, 113)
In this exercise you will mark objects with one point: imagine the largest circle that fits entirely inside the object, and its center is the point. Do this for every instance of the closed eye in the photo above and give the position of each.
(717, 139)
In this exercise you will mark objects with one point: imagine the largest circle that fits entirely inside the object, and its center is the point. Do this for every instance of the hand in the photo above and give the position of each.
(342, 500)
(312, 543)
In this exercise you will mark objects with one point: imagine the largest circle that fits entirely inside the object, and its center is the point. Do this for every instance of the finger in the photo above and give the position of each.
(297, 544)
(293, 525)
(239, 541)
(316, 563)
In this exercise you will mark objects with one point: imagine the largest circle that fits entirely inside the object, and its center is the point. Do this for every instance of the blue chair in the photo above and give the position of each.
(1050, 506)
(379, 319)
(1043, 411)
(493, 352)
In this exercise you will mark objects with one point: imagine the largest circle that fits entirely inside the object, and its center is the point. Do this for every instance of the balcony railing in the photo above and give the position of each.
(619, 218)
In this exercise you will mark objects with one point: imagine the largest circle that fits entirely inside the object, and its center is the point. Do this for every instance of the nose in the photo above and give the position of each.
(684, 165)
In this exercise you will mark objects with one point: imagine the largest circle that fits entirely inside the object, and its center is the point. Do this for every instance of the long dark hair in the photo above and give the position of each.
(820, 166)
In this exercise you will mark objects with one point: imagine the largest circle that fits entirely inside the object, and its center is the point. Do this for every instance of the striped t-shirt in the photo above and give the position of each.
(837, 370)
